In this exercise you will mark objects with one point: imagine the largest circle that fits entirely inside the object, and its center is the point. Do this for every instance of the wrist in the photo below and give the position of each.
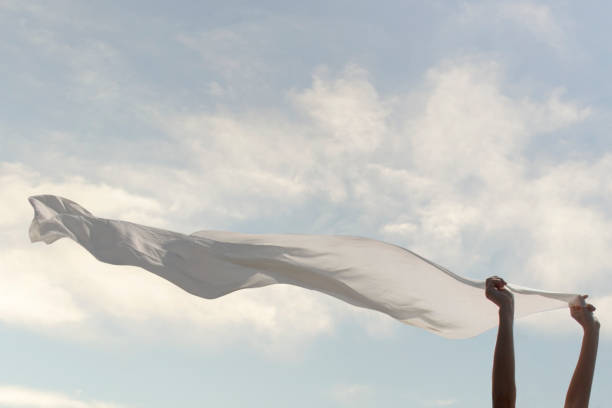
(506, 312)
(592, 328)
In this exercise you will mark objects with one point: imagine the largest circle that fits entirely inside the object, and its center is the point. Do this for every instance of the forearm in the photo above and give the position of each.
(504, 387)
(579, 389)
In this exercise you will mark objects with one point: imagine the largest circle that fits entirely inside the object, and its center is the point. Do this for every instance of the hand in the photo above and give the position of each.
(582, 312)
(497, 294)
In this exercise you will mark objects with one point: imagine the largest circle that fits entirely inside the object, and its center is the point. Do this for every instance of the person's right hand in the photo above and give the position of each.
(582, 312)
(497, 294)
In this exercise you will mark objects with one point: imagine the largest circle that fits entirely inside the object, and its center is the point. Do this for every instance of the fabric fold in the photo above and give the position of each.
(363, 272)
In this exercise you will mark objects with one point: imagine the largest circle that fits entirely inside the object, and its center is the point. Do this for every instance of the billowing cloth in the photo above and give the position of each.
(360, 271)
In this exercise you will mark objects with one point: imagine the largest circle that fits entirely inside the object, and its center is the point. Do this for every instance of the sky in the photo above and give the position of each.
(476, 134)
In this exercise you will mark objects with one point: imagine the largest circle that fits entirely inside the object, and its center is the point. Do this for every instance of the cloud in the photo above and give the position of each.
(271, 158)
(537, 19)
(61, 290)
(18, 396)
(77, 297)
(21, 181)
(228, 51)
(465, 172)
(352, 394)
(443, 170)
(348, 109)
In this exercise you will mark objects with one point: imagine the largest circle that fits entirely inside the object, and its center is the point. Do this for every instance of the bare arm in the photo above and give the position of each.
(579, 390)
(504, 386)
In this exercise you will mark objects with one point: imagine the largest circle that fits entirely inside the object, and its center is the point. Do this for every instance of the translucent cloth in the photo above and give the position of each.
(360, 271)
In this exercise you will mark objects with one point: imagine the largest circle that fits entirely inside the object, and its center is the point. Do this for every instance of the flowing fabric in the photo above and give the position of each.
(360, 271)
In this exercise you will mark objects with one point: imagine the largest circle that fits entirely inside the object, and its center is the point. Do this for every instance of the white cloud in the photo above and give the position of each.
(537, 19)
(78, 67)
(604, 314)
(31, 298)
(12, 396)
(352, 394)
(402, 228)
(348, 109)
(221, 48)
(273, 159)
(464, 172)
(450, 180)
(233, 51)
(19, 182)
(62, 290)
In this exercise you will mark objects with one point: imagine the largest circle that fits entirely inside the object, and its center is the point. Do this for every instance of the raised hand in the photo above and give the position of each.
(499, 295)
(504, 385)
(582, 312)
(579, 390)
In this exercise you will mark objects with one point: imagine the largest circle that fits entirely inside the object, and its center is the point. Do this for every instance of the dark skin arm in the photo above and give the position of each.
(579, 390)
(504, 386)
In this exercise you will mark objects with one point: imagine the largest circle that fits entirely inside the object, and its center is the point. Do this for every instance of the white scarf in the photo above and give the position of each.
(360, 271)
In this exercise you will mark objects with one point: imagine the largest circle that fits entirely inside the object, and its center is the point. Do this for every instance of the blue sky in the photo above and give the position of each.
(474, 133)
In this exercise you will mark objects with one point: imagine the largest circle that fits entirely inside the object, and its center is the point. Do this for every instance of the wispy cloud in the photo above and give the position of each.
(352, 394)
(539, 20)
(62, 290)
(12, 396)
(448, 178)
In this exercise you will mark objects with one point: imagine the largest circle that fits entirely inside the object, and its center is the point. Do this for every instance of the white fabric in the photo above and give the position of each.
(360, 271)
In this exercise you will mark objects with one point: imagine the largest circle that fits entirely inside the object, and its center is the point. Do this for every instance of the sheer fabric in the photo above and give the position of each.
(363, 272)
